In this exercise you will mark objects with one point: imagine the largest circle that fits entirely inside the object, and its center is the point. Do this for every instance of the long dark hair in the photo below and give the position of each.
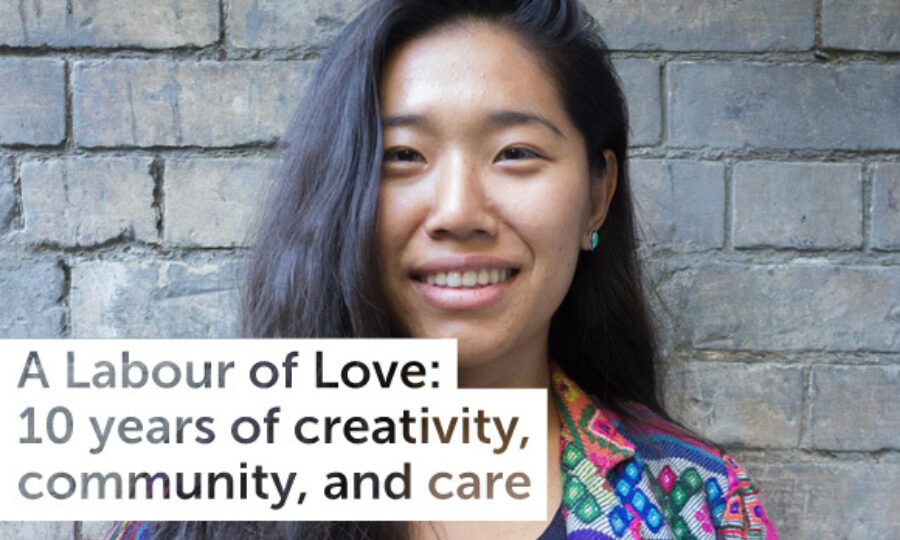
(314, 271)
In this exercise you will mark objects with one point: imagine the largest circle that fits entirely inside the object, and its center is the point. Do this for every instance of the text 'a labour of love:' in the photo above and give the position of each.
(166, 374)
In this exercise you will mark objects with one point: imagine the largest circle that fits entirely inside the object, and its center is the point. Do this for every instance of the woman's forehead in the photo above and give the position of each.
(473, 68)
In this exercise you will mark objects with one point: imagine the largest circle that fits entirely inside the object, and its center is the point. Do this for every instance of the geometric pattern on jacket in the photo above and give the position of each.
(647, 479)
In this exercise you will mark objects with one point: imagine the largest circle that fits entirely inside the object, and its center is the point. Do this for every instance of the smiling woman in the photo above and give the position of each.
(459, 169)
(486, 199)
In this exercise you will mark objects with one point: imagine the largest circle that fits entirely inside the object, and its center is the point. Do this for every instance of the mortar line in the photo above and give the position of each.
(18, 220)
(64, 300)
(213, 51)
(69, 141)
(868, 179)
(269, 148)
(157, 172)
(804, 437)
(793, 358)
(728, 222)
(663, 105)
(817, 25)
(223, 30)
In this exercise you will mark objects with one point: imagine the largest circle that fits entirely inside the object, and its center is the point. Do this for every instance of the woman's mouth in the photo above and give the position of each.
(464, 289)
(468, 279)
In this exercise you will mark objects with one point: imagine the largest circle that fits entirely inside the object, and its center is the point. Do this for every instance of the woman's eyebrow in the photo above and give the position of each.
(502, 118)
(405, 120)
(515, 118)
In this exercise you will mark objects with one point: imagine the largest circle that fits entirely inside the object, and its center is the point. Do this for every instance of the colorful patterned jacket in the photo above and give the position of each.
(658, 483)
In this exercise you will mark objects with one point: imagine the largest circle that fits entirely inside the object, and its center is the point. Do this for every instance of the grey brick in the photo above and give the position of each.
(871, 25)
(739, 404)
(76, 201)
(153, 299)
(854, 408)
(640, 82)
(106, 23)
(212, 202)
(705, 25)
(797, 205)
(31, 22)
(886, 206)
(28, 530)
(864, 498)
(797, 306)
(736, 104)
(680, 204)
(7, 195)
(32, 101)
(273, 23)
(169, 103)
(31, 293)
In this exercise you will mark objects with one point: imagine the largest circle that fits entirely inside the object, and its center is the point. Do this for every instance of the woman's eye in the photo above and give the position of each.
(403, 154)
(517, 152)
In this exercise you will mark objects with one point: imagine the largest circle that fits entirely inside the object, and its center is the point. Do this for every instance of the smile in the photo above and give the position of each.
(469, 278)
(464, 283)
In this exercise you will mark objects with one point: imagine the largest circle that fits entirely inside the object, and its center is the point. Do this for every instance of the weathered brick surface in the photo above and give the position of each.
(640, 82)
(30, 530)
(109, 23)
(7, 195)
(864, 499)
(751, 172)
(738, 404)
(272, 23)
(154, 299)
(679, 204)
(77, 201)
(886, 206)
(797, 205)
(735, 104)
(32, 101)
(854, 407)
(30, 293)
(165, 103)
(212, 202)
(705, 25)
(872, 25)
(790, 307)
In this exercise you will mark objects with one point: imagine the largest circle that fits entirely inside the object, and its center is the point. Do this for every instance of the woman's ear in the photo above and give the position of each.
(603, 186)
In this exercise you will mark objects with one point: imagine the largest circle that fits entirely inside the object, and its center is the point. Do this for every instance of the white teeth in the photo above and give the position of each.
(469, 278)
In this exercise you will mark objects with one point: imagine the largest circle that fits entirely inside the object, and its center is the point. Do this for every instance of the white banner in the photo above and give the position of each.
(262, 430)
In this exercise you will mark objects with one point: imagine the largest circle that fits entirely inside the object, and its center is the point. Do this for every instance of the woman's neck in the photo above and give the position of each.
(527, 366)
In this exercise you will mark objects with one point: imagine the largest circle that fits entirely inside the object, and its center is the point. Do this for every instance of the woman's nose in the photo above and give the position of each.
(461, 207)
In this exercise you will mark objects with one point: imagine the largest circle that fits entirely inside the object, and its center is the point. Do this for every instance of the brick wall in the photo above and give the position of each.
(134, 143)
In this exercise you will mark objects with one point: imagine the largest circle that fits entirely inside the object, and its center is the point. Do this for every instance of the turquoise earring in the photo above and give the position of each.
(595, 239)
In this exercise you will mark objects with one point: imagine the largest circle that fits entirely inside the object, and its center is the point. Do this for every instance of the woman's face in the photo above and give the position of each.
(486, 197)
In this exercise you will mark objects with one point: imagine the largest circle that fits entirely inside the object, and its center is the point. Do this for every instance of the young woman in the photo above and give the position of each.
(458, 169)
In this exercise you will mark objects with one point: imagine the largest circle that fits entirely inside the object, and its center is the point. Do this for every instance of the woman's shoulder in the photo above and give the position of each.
(650, 475)
(696, 482)
(685, 465)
